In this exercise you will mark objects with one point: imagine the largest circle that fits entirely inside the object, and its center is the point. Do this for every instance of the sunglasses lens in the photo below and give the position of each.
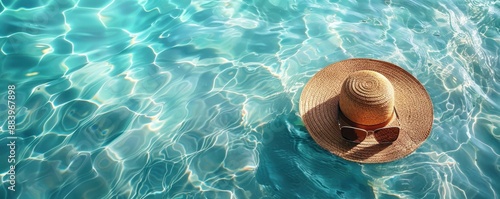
(353, 134)
(386, 135)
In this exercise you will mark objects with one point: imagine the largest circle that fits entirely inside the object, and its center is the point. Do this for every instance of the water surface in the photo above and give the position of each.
(199, 99)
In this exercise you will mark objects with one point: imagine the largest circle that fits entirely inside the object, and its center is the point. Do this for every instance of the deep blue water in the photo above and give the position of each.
(199, 99)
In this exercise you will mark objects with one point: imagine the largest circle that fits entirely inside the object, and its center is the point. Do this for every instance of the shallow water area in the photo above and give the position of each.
(199, 99)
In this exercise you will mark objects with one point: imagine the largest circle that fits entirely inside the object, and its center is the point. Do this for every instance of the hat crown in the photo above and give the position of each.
(367, 98)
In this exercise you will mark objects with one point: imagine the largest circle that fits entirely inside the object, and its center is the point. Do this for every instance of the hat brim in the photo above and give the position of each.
(319, 106)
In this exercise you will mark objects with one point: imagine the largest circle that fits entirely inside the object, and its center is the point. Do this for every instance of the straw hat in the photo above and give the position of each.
(367, 93)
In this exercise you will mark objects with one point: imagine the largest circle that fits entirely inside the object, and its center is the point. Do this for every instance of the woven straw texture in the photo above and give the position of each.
(319, 105)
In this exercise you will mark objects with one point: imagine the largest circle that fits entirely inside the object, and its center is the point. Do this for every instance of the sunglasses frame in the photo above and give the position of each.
(368, 131)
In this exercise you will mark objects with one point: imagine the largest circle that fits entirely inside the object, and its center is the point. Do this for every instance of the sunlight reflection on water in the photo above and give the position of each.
(195, 99)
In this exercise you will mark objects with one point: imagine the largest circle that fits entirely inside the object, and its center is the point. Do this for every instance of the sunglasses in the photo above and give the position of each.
(385, 135)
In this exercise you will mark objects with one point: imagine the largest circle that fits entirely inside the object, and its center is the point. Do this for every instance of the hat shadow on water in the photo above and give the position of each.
(331, 136)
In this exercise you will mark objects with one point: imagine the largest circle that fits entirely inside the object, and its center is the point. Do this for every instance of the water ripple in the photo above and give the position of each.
(194, 99)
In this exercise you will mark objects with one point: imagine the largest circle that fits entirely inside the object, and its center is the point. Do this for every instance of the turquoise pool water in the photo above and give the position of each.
(199, 99)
